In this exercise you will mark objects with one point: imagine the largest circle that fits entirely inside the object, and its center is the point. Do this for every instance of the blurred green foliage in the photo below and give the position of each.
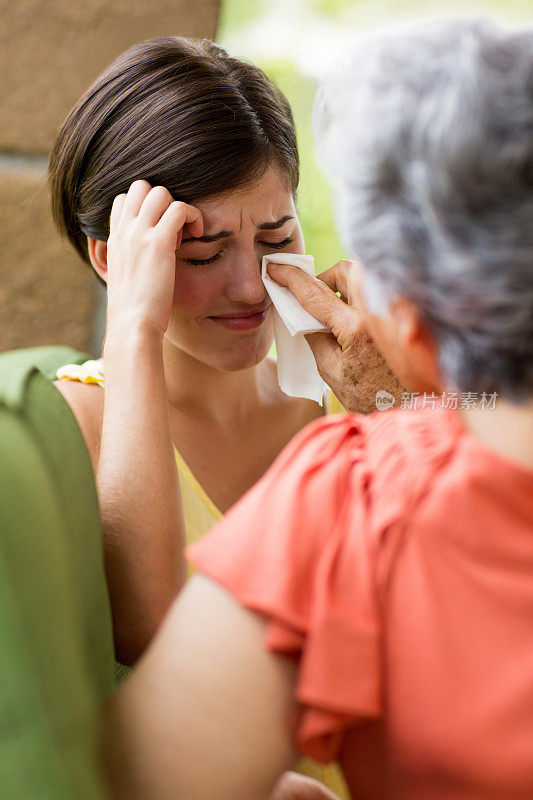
(331, 8)
(235, 14)
(239, 16)
(314, 196)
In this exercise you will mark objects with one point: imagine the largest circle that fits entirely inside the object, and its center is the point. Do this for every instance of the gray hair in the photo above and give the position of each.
(428, 133)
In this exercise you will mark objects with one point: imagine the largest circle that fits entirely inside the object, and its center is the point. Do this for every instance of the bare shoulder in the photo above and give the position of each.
(87, 404)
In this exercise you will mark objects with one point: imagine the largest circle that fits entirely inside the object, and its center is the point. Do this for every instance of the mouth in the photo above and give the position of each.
(242, 320)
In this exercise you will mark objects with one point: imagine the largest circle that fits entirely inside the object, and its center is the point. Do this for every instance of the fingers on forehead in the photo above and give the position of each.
(154, 205)
(116, 208)
(137, 192)
(194, 218)
(140, 186)
(158, 197)
(118, 203)
(188, 214)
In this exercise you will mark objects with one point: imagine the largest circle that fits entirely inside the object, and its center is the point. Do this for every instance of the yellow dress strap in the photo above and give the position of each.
(196, 486)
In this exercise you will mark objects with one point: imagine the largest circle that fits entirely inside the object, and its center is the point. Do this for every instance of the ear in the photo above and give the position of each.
(421, 356)
(98, 255)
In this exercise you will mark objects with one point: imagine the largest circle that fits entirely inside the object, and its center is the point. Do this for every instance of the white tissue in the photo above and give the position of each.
(297, 372)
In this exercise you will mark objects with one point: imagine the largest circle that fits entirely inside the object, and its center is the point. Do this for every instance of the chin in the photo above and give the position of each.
(242, 353)
(225, 353)
(245, 359)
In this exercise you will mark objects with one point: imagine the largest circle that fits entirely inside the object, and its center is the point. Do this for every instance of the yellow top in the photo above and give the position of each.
(200, 514)
(199, 511)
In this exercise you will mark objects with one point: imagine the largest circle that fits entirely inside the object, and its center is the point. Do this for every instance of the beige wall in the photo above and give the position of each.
(50, 52)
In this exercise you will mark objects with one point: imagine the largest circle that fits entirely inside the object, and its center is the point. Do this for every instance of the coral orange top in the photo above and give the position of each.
(392, 556)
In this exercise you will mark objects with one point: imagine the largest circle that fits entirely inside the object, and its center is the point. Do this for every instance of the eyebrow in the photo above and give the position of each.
(212, 237)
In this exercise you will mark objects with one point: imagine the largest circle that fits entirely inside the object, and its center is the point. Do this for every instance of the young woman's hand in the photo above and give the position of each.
(146, 228)
(346, 358)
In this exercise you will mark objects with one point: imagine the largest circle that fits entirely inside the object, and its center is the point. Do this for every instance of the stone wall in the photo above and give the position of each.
(49, 53)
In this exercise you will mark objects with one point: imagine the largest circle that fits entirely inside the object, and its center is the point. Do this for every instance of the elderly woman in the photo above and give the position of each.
(371, 598)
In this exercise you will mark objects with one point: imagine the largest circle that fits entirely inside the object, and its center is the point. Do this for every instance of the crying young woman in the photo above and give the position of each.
(172, 176)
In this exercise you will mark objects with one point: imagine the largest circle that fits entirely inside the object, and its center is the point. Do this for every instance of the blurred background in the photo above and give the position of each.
(49, 54)
(296, 41)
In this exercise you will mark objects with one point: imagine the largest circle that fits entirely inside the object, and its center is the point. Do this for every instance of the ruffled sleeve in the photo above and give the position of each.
(297, 549)
(88, 372)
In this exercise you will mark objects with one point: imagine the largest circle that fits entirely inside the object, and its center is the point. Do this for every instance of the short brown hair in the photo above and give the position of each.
(176, 112)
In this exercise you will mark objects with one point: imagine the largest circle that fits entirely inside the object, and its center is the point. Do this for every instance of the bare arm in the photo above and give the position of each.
(138, 489)
(208, 713)
(136, 473)
(127, 432)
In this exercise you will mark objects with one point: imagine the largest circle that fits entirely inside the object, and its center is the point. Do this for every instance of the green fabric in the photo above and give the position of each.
(56, 647)
(47, 359)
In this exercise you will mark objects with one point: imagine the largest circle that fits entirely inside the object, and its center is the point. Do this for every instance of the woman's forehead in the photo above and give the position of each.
(269, 200)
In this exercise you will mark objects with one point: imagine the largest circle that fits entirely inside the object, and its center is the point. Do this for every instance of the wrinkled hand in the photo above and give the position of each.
(346, 358)
(293, 786)
(146, 228)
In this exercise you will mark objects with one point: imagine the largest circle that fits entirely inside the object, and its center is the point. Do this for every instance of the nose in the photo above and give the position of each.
(244, 281)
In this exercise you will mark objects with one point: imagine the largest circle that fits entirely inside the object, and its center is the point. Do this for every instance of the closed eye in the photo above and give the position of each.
(277, 245)
(201, 262)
